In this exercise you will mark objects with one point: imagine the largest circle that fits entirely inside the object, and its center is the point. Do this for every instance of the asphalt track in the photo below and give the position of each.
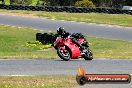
(105, 31)
(52, 67)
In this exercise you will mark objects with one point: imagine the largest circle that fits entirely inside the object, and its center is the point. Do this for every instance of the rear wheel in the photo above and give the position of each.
(88, 55)
(64, 53)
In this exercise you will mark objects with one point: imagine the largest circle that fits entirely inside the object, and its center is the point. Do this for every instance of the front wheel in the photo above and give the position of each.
(88, 55)
(64, 53)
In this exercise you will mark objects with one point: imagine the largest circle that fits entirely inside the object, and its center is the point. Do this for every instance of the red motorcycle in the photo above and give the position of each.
(67, 50)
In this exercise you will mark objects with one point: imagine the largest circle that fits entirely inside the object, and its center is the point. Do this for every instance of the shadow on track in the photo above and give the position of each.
(72, 60)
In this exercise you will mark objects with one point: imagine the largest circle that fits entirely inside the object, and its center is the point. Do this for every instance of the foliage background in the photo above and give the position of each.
(84, 3)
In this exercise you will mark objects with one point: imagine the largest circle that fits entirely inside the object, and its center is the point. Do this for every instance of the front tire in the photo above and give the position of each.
(64, 53)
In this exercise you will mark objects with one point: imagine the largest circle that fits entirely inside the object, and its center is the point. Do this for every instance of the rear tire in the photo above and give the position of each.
(88, 55)
(65, 57)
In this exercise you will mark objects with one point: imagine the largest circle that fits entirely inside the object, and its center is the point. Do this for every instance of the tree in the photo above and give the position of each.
(112, 3)
(129, 2)
(3, 1)
(12, 1)
(118, 3)
(23, 2)
(102, 3)
(61, 2)
(85, 3)
(42, 2)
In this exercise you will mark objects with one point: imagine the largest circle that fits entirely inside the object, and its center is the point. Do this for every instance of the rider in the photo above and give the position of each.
(61, 32)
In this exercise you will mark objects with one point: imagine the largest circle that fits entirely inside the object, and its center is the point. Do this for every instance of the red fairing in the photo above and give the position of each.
(74, 49)
(58, 42)
(67, 48)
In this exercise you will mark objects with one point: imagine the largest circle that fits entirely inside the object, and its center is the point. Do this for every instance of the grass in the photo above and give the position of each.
(13, 45)
(99, 18)
(58, 81)
(107, 48)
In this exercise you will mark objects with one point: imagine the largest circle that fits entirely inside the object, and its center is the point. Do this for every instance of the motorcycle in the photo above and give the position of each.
(67, 49)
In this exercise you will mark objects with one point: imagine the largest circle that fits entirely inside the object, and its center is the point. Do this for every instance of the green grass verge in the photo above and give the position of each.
(108, 48)
(99, 18)
(58, 81)
(13, 45)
